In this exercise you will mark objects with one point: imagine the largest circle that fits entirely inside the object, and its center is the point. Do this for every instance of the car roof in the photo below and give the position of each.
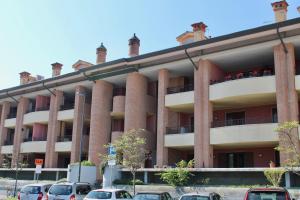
(199, 193)
(108, 190)
(152, 192)
(275, 189)
(71, 183)
(37, 184)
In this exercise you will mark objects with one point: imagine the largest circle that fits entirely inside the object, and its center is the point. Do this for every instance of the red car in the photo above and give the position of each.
(267, 194)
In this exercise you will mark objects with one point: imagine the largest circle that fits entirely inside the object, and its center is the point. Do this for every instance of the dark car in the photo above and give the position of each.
(267, 194)
(152, 196)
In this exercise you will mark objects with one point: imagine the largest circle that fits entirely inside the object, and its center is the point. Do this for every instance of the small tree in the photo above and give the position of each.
(178, 176)
(131, 145)
(274, 176)
(291, 148)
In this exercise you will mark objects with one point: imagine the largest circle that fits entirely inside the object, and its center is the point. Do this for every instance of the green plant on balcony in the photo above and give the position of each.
(274, 175)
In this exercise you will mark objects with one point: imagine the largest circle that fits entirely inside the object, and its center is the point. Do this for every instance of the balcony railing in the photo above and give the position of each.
(182, 88)
(11, 115)
(8, 142)
(180, 129)
(242, 75)
(43, 108)
(242, 121)
(119, 92)
(117, 129)
(67, 107)
(65, 138)
(28, 139)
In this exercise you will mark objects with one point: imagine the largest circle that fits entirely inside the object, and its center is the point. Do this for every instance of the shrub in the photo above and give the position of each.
(178, 176)
(274, 176)
(87, 163)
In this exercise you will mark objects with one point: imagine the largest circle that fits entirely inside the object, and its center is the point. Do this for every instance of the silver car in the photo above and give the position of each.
(201, 196)
(68, 191)
(36, 191)
(108, 194)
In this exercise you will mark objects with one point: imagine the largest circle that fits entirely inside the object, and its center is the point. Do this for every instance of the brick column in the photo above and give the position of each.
(286, 94)
(135, 101)
(162, 117)
(3, 131)
(203, 112)
(53, 129)
(19, 130)
(78, 122)
(100, 128)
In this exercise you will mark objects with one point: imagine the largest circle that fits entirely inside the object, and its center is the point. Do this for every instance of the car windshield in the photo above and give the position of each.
(194, 197)
(31, 189)
(266, 195)
(147, 197)
(61, 190)
(99, 195)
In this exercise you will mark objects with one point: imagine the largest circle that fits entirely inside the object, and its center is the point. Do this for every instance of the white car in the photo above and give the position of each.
(68, 191)
(108, 194)
(36, 191)
(201, 196)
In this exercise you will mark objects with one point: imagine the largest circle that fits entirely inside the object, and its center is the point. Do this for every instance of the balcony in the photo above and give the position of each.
(65, 138)
(7, 149)
(180, 129)
(65, 115)
(245, 135)
(64, 143)
(182, 136)
(31, 139)
(118, 107)
(180, 101)
(43, 108)
(10, 123)
(178, 89)
(67, 106)
(243, 121)
(12, 115)
(41, 117)
(33, 146)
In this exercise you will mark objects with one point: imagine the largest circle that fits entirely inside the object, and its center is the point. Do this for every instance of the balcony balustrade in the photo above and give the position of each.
(180, 129)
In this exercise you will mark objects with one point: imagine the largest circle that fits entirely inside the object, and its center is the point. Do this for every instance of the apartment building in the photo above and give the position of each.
(217, 100)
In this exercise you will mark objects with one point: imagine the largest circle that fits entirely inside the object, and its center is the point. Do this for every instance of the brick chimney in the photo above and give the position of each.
(56, 69)
(24, 77)
(134, 46)
(199, 31)
(280, 10)
(101, 54)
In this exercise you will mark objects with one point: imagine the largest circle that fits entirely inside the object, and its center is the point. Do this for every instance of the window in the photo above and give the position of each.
(270, 195)
(83, 189)
(195, 197)
(235, 118)
(274, 115)
(47, 187)
(99, 195)
(168, 196)
(123, 195)
(61, 190)
(31, 189)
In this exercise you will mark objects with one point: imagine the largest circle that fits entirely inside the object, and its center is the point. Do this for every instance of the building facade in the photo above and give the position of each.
(216, 100)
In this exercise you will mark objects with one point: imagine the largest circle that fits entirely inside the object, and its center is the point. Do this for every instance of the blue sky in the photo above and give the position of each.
(36, 33)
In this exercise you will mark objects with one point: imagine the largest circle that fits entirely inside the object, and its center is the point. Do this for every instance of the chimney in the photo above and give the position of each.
(280, 10)
(56, 69)
(101, 54)
(199, 31)
(24, 77)
(134, 45)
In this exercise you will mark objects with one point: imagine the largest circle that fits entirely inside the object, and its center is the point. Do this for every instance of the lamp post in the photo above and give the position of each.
(81, 132)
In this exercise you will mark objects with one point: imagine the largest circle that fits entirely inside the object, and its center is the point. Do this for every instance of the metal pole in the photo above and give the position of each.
(17, 171)
(81, 134)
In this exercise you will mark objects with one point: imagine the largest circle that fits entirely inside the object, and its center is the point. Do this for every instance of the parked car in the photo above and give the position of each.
(36, 191)
(68, 191)
(267, 194)
(112, 194)
(152, 196)
(201, 196)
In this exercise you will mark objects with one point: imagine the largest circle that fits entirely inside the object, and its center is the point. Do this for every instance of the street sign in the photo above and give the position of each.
(112, 150)
(39, 162)
(38, 169)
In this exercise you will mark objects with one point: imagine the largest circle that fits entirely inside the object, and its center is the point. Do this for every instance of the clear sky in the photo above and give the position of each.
(36, 33)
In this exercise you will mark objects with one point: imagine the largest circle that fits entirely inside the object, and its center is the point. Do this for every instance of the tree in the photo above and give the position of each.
(18, 166)
(131, 151)
(178, 176)
(291, 144)
(274, 176)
